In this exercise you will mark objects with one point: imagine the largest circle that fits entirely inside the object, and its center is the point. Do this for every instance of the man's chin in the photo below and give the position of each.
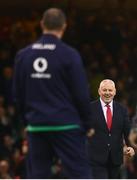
(107, 101)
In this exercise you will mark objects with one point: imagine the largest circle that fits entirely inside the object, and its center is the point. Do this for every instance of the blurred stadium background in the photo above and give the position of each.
(105, 33)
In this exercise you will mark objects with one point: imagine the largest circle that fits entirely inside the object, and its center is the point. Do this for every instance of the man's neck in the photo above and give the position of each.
(58, 34)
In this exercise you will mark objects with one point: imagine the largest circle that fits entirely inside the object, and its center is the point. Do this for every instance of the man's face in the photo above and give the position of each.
(107, 92)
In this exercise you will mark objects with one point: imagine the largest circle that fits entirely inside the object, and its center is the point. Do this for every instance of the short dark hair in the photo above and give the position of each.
(54, 19)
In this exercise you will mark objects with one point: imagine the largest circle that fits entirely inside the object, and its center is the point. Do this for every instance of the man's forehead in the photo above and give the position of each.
(107, 85)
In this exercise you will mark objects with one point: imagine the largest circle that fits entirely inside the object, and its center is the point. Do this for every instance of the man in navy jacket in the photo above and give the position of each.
(51, 92)
(111, 124)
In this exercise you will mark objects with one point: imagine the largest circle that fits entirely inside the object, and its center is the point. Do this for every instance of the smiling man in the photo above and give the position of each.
(111, 123)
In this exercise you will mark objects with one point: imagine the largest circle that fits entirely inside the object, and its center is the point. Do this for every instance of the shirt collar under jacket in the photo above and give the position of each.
(104, 104)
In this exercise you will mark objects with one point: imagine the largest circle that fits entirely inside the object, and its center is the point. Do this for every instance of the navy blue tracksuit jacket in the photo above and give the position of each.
(50, 85)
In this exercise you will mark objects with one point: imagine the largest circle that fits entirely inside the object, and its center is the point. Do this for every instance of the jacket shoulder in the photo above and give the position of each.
(70, 50)
(21, 53)
(94, 103)
(119, 105)
(24, 50)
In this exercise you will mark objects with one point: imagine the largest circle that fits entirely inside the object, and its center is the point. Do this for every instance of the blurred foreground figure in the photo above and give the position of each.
(111, 123)
(51, 92)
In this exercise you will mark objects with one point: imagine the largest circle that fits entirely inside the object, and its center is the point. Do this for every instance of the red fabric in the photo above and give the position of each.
(109, 117)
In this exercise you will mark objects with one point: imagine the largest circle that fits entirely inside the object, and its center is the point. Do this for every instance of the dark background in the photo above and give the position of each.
(105, 34)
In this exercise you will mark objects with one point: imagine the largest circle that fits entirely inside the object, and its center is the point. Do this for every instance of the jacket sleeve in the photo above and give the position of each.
(127, 126)
(79, 89)
(18, 90)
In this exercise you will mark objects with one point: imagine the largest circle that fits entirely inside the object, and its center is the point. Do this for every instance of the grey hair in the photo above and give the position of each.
(107, 81)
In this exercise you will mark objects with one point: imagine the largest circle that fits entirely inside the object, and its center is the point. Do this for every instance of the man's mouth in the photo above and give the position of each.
(107, 96)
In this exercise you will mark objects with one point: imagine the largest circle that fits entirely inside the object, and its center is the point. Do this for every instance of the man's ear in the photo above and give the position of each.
(41, 24)
(98, 91)
(62, 30)
(64, 26)
(115, 91)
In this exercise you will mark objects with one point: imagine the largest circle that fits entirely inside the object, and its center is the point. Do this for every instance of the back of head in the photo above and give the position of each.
(53, 19)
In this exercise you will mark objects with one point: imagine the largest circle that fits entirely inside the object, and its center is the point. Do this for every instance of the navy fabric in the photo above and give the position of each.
(57, 96)
(105, 141)
(69, 146)
(105, 148)
(50, 89)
